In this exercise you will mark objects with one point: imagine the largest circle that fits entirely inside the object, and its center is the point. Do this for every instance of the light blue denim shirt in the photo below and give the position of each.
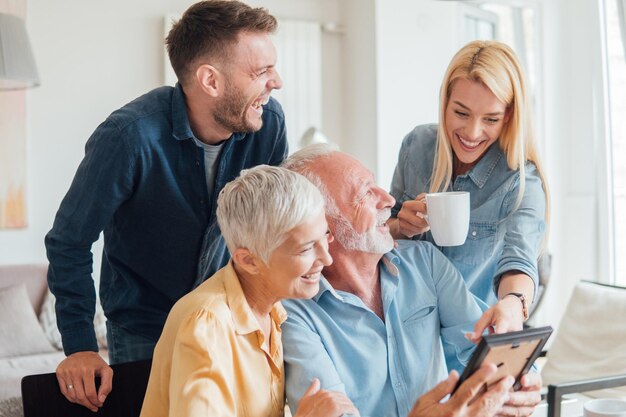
(499, 239)
(382, 366)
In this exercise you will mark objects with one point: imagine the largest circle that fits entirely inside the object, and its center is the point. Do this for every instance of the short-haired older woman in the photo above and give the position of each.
(220, 353)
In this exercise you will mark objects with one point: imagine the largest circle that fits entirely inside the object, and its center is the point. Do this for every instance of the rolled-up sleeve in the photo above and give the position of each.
(524, 229)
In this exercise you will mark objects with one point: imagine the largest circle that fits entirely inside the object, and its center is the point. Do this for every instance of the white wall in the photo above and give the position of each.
(410, 66)
(358, 79)
(92, 58)
(392, 72)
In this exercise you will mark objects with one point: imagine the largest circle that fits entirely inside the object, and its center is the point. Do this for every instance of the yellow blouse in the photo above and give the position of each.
(212, 358)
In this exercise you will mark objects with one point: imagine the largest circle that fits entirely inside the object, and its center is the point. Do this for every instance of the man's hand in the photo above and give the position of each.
(504, 316)
(323, 403)
(522, 403)
(470, 400)
(76, 375)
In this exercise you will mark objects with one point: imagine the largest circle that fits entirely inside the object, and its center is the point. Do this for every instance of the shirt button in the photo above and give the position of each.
(201, 201)
(474, 233)
(197, 163)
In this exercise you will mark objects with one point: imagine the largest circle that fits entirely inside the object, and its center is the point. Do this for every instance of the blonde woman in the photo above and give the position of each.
(220, 353)
(484, 144)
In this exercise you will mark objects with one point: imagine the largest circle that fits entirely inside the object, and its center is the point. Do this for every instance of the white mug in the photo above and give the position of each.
(605, 407)
(448, 217)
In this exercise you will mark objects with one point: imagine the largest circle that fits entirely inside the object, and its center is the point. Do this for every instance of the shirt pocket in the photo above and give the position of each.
(479, 244)
(420, 315)
(421, 337)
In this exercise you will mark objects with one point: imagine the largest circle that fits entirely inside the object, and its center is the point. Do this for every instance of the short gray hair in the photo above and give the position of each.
(302, 161)
(257, 209)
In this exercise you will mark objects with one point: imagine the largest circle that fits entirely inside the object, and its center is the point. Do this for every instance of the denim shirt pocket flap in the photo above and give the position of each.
(481, 230)
(419, 314)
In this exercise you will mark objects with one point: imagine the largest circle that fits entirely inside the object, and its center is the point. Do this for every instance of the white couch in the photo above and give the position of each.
(13, 368)
(28, 350)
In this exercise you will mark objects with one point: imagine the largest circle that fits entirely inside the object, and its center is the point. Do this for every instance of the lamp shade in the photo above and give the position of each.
(17, 64)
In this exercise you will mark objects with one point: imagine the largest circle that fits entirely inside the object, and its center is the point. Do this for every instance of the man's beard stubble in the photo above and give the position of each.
(370, 241)
(232, 110)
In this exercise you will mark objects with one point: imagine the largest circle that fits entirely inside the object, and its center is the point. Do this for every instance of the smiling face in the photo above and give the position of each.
(364, 207)
(294, 268)
(250, 77)
(474, 119)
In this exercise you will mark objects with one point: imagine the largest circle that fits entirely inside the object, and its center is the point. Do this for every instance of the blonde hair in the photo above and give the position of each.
(495, 65)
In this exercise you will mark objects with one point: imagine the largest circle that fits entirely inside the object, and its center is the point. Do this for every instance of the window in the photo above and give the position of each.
(616, 33)
(515, 25)
(517, 28)
(478, 23)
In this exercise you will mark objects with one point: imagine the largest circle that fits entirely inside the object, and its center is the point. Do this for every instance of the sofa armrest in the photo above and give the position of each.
(556, 391)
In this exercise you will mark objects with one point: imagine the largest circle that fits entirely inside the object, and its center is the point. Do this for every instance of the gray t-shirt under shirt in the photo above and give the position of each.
(211, 152)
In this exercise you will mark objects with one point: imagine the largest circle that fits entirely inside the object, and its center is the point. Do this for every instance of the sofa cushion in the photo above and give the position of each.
(34, 276)
(20, 332)
(14, 369)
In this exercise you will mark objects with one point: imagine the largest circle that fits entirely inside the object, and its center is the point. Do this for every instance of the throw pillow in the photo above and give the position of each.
(48, 321)
(20, 332)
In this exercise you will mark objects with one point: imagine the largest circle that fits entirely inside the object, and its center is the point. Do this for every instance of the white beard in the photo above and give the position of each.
(370, 241)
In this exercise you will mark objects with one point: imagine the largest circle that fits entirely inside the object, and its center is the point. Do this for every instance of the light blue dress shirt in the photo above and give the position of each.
(499, 239)
(382, 366)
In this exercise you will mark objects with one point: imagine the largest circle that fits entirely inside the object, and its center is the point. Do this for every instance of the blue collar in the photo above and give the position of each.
(324, 287)
(181, 130)
(389, 260)
(481, 172)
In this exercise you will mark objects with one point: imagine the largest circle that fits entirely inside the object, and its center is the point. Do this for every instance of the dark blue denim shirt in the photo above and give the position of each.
(142, 182)
(500, 237)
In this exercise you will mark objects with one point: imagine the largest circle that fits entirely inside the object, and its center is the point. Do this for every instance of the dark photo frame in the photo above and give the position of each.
(513, 353)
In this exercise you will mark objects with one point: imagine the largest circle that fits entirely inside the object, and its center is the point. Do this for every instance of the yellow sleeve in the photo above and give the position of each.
(202, 380)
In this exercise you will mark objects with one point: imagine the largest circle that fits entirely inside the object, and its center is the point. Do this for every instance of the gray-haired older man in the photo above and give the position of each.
(376, 328)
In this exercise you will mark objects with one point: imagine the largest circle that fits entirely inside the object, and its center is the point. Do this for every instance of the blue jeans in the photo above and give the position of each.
(125, 346)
